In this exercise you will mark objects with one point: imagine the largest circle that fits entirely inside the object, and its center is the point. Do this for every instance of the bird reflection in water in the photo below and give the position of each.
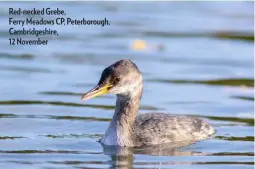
(123, 157)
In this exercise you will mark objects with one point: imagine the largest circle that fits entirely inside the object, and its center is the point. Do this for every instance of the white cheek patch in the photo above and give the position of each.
(133, 87)
(128, 88)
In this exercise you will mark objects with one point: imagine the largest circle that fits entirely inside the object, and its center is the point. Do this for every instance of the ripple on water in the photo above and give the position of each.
(17, 56)
(217, 82)
(58, 103)
(242, 36)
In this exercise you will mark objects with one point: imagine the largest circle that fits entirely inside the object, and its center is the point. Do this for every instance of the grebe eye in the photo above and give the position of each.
(116, 80)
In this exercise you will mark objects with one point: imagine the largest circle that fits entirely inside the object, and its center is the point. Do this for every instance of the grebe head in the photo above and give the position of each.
(121, 78)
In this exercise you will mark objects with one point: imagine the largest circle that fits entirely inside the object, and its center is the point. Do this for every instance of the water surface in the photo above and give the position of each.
(198, 61)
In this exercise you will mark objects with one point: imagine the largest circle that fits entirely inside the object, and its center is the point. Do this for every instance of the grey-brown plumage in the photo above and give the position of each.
(162, 128)
(129, 129)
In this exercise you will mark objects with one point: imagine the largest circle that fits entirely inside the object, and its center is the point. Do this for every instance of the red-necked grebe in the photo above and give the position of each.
(129, 129)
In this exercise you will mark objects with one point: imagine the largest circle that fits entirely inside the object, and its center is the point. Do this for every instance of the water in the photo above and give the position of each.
(198, 61)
